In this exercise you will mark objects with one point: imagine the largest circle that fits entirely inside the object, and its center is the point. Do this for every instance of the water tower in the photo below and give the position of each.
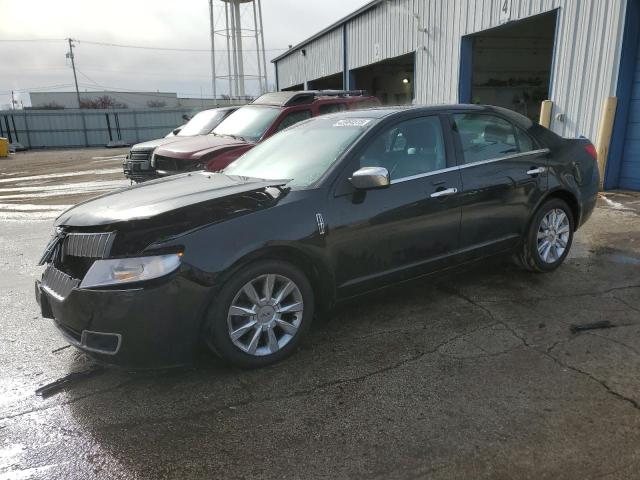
(237, 37)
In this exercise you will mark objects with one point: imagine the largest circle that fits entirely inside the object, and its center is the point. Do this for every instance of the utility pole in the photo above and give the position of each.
(213, 51)
(264, 59)
(75, 79)
(73, 66)
(13, 101)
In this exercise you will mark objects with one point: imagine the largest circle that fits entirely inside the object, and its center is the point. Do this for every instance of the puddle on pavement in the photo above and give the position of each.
(65, 189)
(29, 216)
(614, 255)
(28, 207)
(52, 176)
(113, 157)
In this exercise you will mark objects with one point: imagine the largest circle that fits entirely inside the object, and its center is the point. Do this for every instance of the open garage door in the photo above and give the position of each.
(510, 66)
(390, 80)
(331, 82)
(294, 88)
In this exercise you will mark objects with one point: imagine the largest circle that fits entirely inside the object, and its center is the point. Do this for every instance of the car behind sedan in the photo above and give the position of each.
(326, 210)
(137, 165)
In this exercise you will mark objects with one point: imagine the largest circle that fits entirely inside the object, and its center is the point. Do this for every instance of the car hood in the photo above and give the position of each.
(193, 147)
(153, 144)
(196, 195)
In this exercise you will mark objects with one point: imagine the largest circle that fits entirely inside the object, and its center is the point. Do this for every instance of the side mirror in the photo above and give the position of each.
(368, 178)
(176, 131)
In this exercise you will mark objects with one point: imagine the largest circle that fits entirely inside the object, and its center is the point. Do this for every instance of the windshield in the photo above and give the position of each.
(302, 153)
(202, 123)
(249, 122)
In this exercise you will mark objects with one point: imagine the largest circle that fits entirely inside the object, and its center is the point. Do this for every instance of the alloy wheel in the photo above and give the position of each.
(265, 314)
(553, 235)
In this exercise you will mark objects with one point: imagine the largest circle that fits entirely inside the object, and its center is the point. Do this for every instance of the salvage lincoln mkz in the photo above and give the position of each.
(325, 210)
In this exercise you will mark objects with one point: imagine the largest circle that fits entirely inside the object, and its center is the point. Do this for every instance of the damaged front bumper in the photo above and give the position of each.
(133, 172)
(155, 325)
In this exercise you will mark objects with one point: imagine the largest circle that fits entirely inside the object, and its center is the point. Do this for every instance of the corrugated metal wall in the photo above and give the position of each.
(323, 57)
(63, 128)
(389, 29)
(588, 41)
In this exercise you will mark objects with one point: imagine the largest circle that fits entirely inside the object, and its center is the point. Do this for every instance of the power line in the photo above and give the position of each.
(44, 87)
(167, 49)
(17, 40)
(122, 45)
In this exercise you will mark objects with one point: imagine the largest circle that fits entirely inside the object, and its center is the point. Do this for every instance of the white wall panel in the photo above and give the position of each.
(324, 56)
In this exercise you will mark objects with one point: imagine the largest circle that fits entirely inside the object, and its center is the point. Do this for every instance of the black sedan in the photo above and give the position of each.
(326, 210)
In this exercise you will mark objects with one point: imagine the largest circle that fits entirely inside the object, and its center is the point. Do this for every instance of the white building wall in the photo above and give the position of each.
(586, 59)
(324, 56)
(387, 30)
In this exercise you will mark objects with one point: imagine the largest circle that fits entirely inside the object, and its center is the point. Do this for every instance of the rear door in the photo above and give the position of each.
(504, 175)
(403, 230)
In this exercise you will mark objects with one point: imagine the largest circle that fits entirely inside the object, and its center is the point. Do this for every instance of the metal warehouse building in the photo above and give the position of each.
(513, 53)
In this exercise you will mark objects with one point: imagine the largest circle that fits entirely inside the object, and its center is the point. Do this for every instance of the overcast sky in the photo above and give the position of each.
(157, 23)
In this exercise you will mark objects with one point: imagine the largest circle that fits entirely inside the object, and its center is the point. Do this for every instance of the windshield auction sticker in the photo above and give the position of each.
(352, 122)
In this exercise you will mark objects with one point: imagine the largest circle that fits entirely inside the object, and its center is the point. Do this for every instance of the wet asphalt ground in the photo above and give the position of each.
(476, 375)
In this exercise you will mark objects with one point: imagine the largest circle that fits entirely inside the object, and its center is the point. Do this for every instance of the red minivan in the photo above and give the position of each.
(250, 124)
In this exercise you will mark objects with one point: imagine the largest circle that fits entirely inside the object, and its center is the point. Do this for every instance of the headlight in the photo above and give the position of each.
(128, 270)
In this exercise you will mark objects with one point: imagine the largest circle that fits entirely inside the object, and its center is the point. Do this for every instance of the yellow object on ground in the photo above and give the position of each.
(604, 133)
(4, 147)
(545, 113)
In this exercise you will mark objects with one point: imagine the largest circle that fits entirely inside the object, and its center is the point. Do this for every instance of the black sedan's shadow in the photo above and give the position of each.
(211, 420)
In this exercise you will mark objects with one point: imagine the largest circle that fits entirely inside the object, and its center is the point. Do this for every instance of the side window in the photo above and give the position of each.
(408, 148)
(331, 108)
(525, 142)
(485, 137)
(293, 118)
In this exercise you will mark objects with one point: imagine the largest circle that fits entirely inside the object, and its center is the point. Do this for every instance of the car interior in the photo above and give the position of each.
(410, 148)
(485, 137)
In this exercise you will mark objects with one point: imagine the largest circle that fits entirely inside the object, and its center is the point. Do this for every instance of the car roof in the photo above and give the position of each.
(382, 112)
(306, 97)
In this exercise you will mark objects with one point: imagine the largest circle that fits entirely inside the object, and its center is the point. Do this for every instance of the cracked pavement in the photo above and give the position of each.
(476, 375)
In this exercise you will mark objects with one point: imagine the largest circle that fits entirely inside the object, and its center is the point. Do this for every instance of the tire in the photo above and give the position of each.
(267, 328)
(537, 257)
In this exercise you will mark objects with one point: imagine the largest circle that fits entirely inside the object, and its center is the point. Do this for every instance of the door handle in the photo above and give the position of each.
(444, 193)
(536, 171)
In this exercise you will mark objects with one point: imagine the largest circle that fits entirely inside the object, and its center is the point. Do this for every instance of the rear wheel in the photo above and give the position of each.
(549, 238)
(260, 315)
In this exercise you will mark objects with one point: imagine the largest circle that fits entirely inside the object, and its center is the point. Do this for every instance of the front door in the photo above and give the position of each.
(504, 175)
(403, 230)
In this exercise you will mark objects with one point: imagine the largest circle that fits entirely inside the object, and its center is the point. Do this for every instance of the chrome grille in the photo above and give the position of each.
(91, 245)
(139, 155)
(58, 283)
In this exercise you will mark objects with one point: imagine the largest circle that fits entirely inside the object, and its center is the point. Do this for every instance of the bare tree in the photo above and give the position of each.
(50, 106)
(102, 102)
(156, 103)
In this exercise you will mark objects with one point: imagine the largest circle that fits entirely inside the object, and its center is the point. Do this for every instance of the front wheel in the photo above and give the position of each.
(260, 315)
(549, 238)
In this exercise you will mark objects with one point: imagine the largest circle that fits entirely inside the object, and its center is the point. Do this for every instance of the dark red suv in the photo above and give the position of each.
(250, 124)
